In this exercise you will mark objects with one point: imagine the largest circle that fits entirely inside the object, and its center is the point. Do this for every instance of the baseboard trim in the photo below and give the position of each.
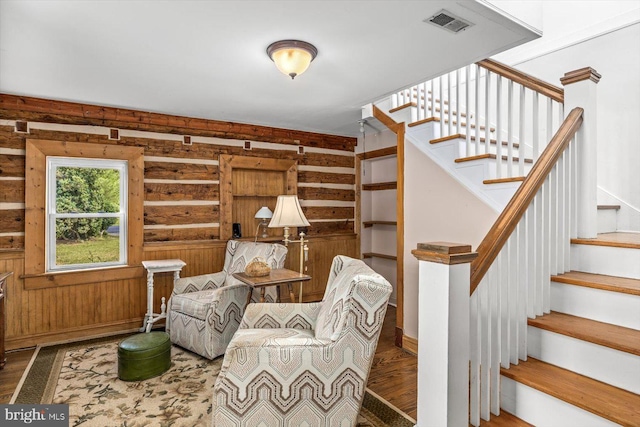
(410, 344)
(81, 333)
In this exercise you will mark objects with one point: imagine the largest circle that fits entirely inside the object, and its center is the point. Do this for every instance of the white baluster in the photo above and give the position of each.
(496, 326)
(394, 100)
(487, 111)
(510, 135)
(538, 201)
(477, 112)
(421, 102)
(531, 260)
(514, 296)
(523, 274)
(442, 116)
(549, 121)
(498, 127)
(485, 349)
(458, 108)
(467, 105)
(504, 304)
(450, 98)
(546, 249)
(561, 219)
(521, 125)
(536, 127)
(474, 356)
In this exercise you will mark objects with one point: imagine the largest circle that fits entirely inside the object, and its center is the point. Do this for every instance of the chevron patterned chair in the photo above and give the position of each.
(304, 364)
(205, 311)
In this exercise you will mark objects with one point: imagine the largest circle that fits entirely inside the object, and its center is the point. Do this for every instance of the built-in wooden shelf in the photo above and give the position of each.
(377, 255)
(375, 154)
(372, 223)
(380, 186)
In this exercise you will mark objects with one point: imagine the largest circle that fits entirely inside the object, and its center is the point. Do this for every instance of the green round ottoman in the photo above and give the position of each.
(144, 356)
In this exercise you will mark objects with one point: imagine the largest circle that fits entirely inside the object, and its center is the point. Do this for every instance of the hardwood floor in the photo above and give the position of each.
(393, 374)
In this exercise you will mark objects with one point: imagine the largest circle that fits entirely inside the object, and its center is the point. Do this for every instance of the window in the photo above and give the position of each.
(86, 213)
(83, 213)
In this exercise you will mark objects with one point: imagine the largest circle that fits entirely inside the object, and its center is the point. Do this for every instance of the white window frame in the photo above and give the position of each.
(75, 162)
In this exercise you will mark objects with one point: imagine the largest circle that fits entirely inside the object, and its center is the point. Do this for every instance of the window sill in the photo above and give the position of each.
(81, 277)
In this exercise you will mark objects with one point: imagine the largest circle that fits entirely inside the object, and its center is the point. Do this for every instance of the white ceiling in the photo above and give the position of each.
(207, 58)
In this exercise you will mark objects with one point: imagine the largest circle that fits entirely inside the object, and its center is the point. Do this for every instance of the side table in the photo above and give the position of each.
(277, 276)
(152, 267)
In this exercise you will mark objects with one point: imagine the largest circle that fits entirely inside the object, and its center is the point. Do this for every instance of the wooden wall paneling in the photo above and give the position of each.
(10, 242)
(325, 177)
(172, 215)
(10, 139)
(331, 227)
(11, 165)
(12, 220)
(328, 212)
(327, 160)
(167, 170)
(181, 234)
(318, 193)
(174, 191)
(12, 191)
(37, 109)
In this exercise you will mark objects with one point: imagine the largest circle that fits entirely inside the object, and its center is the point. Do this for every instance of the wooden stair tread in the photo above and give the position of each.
(604, 400)
(617, 240)
(375, 186)
(605, 334)
(488, 156)
(378, 255)
(472, 138)
(608, 207)
(505, 419)
(600, 281)
(423, 121)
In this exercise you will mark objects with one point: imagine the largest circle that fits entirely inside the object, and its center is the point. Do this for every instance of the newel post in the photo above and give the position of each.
(443, 333)
(580, 91)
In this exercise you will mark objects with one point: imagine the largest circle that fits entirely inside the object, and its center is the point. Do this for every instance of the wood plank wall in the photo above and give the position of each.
(181, 209)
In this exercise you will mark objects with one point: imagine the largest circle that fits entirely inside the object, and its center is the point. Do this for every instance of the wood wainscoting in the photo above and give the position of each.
(78, 311)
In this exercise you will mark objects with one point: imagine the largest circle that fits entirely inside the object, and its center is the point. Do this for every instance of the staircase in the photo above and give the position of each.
(555, 320)
(583, 364)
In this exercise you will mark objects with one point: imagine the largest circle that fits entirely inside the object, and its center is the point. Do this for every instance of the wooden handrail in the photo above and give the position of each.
(498, 235)
(526, 80)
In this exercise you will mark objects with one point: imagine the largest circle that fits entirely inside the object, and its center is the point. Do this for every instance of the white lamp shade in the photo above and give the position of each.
(264, 213)
(288, 213)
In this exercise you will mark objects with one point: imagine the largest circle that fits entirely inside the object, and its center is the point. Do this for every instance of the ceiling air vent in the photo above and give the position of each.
(448, 21)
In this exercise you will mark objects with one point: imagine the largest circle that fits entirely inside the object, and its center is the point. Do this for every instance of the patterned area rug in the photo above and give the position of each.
(85, 376)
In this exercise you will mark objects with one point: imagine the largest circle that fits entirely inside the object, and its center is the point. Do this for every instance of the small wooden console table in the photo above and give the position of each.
(158, 266)
(275, 277)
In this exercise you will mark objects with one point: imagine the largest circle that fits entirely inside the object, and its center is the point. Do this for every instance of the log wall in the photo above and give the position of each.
(181, 206)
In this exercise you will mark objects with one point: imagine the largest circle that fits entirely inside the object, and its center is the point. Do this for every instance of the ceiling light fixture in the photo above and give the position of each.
(292, 57)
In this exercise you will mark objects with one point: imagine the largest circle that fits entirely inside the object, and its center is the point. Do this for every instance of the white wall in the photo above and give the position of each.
(606, 37)
(437, 208)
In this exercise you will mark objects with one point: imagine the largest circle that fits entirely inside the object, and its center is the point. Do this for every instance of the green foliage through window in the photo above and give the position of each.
(86, 190)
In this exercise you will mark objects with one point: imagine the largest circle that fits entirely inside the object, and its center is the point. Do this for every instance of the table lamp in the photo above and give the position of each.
(288, 213)
(263, 215)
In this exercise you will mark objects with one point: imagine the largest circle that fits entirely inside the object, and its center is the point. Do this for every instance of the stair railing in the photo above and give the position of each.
(509, 274)
(510, 278)
(490, 104)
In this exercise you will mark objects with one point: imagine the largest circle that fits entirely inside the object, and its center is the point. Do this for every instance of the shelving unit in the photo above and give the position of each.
(377, 203)
(368, 224)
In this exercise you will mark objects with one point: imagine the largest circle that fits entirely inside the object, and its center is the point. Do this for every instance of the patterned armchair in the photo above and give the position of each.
(204, 311)
(305, 364)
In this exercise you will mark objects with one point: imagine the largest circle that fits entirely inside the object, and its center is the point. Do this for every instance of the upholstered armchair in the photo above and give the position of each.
(304, 364)
(204, 311)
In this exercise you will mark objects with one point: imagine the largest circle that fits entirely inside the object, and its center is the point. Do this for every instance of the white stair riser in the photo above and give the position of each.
(607, 220)
(541, 409)
(406, 115)
(612, 261)
(596, 304)
(592, 360)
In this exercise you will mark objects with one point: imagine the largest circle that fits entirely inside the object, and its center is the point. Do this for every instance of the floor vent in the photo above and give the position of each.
(448, 21)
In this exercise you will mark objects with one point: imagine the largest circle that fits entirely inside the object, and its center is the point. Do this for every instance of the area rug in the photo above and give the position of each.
(85, 376)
